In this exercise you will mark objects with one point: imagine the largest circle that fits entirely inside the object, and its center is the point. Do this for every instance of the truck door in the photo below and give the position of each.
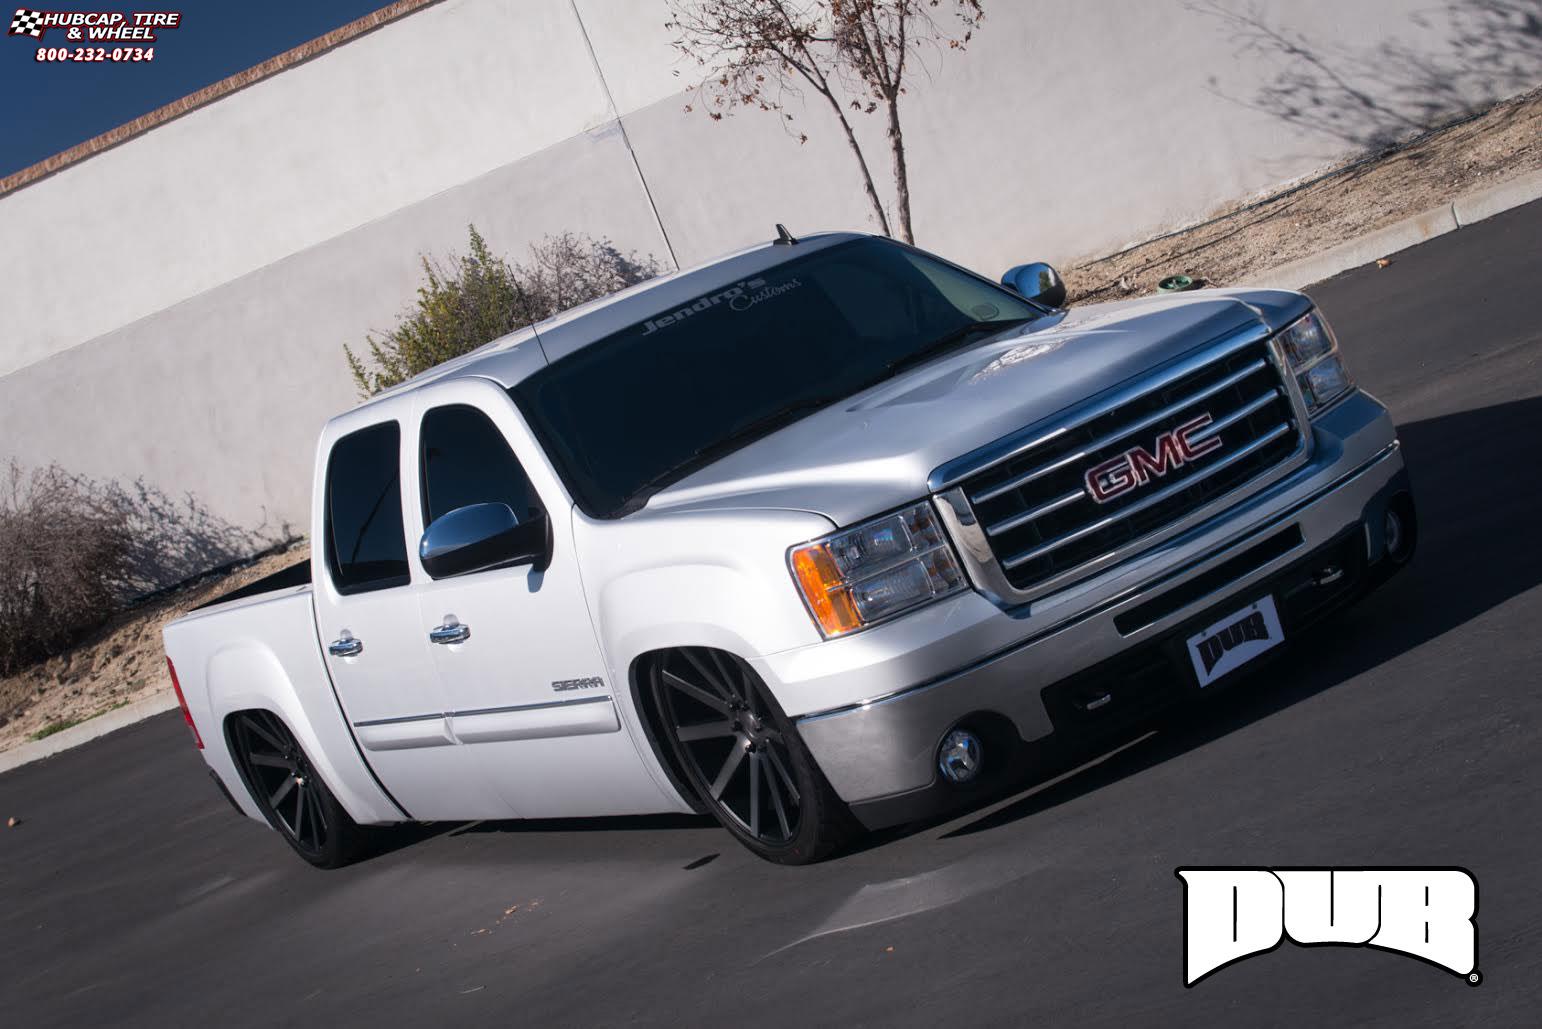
(369, 621)
(530, 700)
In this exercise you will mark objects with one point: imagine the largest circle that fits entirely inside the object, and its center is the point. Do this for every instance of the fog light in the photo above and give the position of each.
(1396, 534)
(961, 756)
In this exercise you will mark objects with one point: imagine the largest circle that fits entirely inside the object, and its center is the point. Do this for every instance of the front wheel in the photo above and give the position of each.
(291, 795)
(740, 754)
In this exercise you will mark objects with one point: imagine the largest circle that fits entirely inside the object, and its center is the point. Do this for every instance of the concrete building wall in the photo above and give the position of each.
(223, 394)
(176, 306)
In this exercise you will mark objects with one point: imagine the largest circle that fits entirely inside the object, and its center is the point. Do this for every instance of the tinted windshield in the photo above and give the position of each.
(629, 414)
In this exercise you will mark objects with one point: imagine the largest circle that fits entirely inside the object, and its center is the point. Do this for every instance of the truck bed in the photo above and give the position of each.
(256, 648)
(297, 574)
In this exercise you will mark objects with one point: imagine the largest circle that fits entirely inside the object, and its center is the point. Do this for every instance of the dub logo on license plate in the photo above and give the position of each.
(1235, 640)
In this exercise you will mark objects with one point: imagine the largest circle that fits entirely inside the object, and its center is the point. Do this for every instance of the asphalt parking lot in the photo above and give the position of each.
(1403, 733)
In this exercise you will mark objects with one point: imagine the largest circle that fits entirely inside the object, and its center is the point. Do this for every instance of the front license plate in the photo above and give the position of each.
(1235, 640)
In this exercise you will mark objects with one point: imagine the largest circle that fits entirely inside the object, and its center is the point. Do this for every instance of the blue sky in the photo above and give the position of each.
(49, 107)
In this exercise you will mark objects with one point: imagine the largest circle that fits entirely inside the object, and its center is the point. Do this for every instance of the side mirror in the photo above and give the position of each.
(481, 536)
(1037, 281)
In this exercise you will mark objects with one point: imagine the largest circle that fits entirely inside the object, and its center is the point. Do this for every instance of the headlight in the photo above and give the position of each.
(1313, 353)
(875, 571)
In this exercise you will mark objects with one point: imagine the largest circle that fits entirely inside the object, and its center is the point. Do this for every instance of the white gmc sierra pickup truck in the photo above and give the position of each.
(824, 535)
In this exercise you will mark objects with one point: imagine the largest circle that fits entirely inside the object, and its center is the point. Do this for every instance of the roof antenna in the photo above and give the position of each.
(783, 237)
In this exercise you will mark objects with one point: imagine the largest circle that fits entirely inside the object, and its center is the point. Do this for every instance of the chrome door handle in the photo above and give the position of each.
(346, 647)
(450, 634)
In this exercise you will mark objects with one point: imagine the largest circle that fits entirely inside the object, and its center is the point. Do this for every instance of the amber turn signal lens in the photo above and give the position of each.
(824, 590)
(875, 571)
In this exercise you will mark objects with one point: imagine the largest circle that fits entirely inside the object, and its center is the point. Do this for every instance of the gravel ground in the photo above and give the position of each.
(1502, 143)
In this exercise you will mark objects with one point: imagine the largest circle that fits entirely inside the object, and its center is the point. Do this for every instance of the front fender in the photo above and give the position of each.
(692, 579)
(709, 579)
(693, 605)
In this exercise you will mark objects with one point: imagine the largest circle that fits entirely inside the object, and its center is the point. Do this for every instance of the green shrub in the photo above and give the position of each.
(53, 727)
(477, 297)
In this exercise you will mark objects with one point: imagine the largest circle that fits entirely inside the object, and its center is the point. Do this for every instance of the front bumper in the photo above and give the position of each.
(879, 752)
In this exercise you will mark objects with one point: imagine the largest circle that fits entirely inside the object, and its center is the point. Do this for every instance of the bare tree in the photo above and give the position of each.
(74, 550)
(854, 53)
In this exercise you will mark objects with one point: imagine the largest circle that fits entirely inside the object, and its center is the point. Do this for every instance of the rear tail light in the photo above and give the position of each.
(187, 716)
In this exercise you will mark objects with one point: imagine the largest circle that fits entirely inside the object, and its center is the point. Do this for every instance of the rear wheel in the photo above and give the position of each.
(743, 759)
(291, 795)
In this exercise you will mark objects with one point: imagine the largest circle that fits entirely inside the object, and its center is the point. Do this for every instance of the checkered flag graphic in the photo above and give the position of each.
(27, 23)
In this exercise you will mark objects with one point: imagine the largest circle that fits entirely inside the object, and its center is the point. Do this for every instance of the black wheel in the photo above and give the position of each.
(290, 793)
(743, 758)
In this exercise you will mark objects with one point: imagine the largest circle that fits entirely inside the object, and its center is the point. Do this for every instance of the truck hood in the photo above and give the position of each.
(875, 450)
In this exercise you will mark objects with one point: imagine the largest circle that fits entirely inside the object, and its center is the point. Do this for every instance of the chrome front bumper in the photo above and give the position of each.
(882, 744)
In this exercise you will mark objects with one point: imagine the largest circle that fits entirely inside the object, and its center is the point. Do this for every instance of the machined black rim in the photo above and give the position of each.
(282, 779)
(725, 732)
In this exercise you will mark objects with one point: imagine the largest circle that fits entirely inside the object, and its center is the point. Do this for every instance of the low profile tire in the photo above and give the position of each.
(291, 795)
(740, 754)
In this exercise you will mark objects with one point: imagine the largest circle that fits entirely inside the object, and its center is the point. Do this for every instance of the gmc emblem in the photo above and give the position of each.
(1135, 467)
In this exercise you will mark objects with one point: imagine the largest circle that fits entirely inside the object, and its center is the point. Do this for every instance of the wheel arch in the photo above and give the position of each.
(243, 773)
(648, 716)
(248, 676)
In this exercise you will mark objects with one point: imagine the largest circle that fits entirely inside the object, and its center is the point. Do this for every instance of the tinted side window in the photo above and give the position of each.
(366, 549)
(466, 461)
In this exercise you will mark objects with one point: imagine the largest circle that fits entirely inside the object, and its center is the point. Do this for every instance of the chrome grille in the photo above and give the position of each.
(1035, 508)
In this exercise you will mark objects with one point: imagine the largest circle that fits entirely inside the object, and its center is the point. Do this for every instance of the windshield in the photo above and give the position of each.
(627, 415)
